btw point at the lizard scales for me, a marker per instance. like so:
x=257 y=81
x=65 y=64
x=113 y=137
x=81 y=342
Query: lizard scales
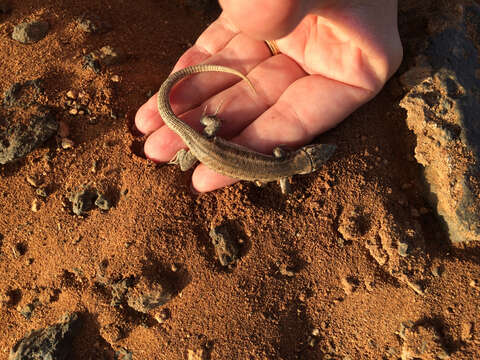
x=231 y=159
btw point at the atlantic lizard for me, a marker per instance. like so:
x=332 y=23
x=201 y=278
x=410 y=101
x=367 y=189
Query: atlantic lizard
x=228 y=158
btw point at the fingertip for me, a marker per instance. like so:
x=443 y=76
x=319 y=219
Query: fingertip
x=140 y=123
x=147 y=118
x=162 y=145
x=194 y=55
x=150 y=148
x=266 y=19
x=205 y=180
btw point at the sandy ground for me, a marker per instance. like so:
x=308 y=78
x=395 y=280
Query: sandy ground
x=321 y=274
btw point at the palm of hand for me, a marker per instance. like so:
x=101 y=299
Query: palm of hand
x=324 y=72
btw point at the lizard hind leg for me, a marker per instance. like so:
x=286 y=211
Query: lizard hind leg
x=285 y=185
x=184 y=158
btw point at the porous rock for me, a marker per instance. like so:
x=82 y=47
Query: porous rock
x=17 y=139
x=28 y=33
x=442 y=111
x=53 y=342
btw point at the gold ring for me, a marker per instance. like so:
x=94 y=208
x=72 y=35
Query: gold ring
x=273 y=47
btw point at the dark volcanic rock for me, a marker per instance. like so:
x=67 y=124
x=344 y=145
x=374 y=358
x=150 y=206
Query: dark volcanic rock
x=119 y=291
x=147 y=295
x=20 y=138
x=28 y=33
x=53 y=342
x=442 y=110
x=86 y=199
x=92 y=24
x=83 y=201
x=225 y=247
x=17 y=95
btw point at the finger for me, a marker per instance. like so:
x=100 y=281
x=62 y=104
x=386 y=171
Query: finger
x=266 y=19
x=311 y=105
x=212 y=40
x=242 y=53
x=240 y=107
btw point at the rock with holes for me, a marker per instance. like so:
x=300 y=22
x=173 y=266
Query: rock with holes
x=421 y=342
x=86 y=198
x=53 y=342
x=226 y=248
x=442 y=111
x=147 y=295
x=28 y=33
x=353 y=223
x=18 y=137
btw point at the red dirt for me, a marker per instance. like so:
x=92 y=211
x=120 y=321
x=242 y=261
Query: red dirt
x=350 y=291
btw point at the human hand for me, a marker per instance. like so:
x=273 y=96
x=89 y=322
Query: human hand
x=335 y=56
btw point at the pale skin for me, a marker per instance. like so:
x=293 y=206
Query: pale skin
x=335 y=56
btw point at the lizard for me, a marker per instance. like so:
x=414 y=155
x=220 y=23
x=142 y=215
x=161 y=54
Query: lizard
x=228 y=158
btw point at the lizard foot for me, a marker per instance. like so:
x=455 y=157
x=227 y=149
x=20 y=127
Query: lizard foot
x=285 y=185
x=184 y=158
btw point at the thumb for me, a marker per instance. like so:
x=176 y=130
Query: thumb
x=266 y=19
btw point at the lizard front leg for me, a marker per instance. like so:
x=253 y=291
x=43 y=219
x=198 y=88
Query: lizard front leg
x=184 y=158
x=211 y=122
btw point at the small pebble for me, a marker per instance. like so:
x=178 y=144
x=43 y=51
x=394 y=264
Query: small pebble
x=349 y=284
x=41 y=192
x=285 y=270
x=67 y=143
x=437 y=270
x=110 y=56
x=174 y=268
x=195 y=354
x=466 y=330
x=474 y=283
x=162 y=316
x=72 y=94
x=115 y=78
x=94 y=167
x=73 y=111
x=102 y=203
x=35 y=205
x=32 y=181
x=402 y=249
x=416 y=287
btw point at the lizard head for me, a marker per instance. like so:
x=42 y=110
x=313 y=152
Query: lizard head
x=317 y=154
